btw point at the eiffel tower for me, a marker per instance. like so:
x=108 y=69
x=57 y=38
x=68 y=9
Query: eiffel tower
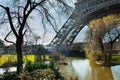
x=85 y=10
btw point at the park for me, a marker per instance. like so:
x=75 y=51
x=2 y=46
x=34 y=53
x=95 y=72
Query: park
x=60 y=40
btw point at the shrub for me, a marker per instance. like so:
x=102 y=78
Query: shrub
x=35 y=71
x=31 y=66
x=46 y=74
x=8 y=64
x=55 y=55
x=9 y=76
x=56 y=70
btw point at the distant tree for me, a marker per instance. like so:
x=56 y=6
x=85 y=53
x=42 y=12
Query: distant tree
x=36 y=38
x=41 y=51
x=2 y=46
x=2 y=43
x=17 y=16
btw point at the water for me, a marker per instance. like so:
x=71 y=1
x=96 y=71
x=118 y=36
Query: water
x=88 y=70
x=10 y=69
x=78 y=69
x=2 y=70
x=82 y=68
x=116 y=72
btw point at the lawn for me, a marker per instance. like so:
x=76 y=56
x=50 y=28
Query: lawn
x=116 y=57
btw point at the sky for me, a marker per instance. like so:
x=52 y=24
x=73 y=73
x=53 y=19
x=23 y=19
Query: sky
x=40 y=31
x=81 y=35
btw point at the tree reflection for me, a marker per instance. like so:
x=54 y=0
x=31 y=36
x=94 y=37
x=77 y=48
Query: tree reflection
x=100 y=72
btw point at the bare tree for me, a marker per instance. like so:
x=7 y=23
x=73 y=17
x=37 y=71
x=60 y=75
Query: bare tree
x=109 y=39
x=20 y=12
x=36 y=38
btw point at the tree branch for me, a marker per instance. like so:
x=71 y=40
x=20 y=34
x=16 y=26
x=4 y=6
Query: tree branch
x=24 y=32
x=10 y=19
x=11 y=22
x=7 y=40
x=3 y=7
x=25 y=9
x=47 y=15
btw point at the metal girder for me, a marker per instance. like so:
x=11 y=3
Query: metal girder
x=83 y=13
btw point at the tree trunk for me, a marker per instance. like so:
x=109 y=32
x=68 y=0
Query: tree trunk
x=19 y=42
x=103 y=52
x=104 y=57
x=109 y=58
x=110 y=54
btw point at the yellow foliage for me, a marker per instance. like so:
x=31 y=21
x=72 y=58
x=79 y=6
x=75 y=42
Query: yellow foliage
x=29 y=58
x=104 y=21
x=13 y=58
x=47 y=57
x=98 y=27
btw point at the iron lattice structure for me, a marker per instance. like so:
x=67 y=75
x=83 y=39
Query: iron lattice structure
x=85 y=10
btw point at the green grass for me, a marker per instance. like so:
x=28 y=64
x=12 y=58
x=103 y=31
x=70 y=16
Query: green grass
x=116 y=57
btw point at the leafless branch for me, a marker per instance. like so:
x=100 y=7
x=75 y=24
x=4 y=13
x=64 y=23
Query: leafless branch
x=8 y=40
x=47 y=15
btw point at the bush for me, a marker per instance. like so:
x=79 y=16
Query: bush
x=31 y=66
x=55 y=55
x=46 y=74
x=9 y=64
x=56 y=70
x=36 y=71
x=9 y=76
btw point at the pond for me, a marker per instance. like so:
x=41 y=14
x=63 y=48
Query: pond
x=14 y=69
x=2 y=70
x=83 y=69
x=87 y=70
x=9 y=69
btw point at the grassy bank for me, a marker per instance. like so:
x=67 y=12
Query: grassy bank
x=116 y=57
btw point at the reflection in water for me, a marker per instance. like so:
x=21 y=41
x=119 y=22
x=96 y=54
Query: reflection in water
x=116 y=72
x=89 y=71
x=2 y=71
x=85 y=70
x=82 y=67
x=9 y=69
x=100 y=72
x=68 y=71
